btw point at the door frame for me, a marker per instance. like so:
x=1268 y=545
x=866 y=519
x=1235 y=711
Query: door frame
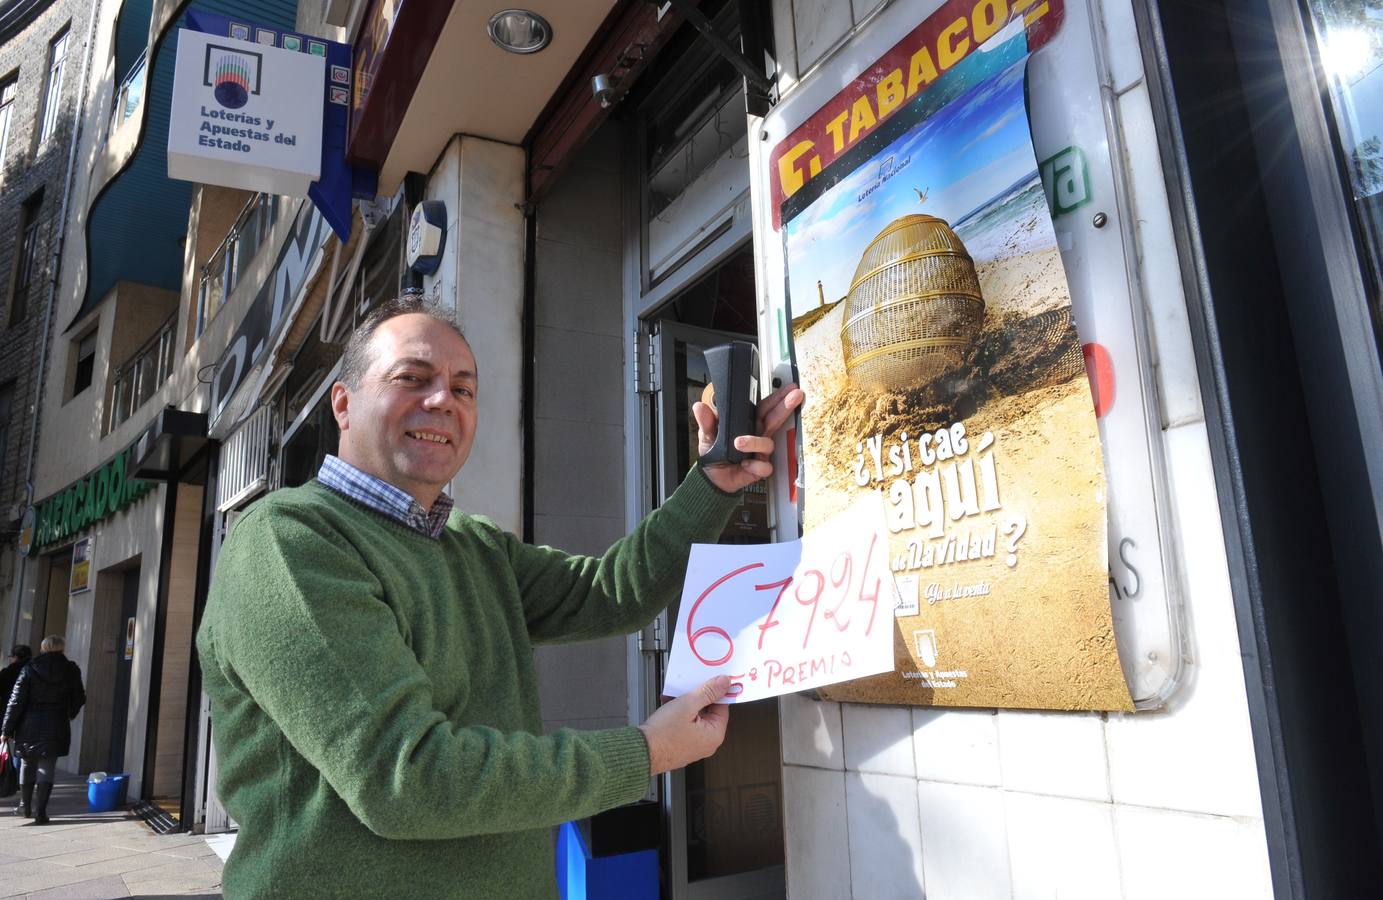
x=1283 y=346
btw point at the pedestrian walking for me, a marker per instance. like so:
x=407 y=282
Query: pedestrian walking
x=46 y=698
x=19 y=657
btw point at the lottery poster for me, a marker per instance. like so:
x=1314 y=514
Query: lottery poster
x=931 y=328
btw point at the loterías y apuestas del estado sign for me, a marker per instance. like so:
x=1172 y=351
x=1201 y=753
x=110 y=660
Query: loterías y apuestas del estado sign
x=247 y=114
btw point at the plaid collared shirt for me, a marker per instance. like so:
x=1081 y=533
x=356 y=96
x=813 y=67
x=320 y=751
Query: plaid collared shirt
x=385 y=499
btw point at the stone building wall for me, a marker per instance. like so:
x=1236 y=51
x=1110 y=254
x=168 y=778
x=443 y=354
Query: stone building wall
x=27 y=33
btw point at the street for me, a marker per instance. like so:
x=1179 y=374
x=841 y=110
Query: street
x=82 y=855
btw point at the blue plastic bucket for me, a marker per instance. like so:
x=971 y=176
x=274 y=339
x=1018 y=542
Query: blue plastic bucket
x=101 y=796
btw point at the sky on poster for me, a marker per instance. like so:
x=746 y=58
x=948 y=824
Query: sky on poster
x=967 y=154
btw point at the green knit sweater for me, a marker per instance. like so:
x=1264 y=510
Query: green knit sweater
x=374 y=699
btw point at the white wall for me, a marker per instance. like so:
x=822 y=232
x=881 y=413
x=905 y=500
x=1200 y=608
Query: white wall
x=480 y=281
x=897 y=802
x=578 y=432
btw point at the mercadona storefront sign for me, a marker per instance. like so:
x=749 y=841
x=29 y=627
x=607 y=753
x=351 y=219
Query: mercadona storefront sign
x=101 y=494
x=247 y=114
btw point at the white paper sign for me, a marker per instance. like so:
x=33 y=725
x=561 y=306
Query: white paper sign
x=245 y=115
x=780 y=618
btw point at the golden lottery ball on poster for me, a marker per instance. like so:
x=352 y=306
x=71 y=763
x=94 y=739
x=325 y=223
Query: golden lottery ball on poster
x=914 y=309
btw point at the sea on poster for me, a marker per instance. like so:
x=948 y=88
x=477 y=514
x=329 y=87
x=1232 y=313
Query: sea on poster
x=931 y=327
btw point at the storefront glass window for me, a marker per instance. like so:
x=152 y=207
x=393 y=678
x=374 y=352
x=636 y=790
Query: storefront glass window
x=694 y=115
x=1349 y=36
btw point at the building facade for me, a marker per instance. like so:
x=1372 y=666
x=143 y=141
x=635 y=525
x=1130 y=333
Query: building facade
x=605 y=210
x=44 y=59
x=149 y=266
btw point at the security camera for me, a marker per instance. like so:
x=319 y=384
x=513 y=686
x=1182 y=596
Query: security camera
x=604 y=90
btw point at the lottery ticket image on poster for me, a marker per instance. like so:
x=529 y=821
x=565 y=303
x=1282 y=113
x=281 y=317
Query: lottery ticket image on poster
x=932 y=331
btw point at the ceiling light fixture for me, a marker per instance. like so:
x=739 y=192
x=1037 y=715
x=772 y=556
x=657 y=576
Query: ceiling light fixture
x=519 y=31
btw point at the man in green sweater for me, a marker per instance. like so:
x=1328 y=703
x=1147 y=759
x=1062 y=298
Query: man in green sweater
x=368 y=651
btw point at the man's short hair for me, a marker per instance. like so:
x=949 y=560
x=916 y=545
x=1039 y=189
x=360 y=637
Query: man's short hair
x=21 y=652
x=356 y=358
x=52 y=643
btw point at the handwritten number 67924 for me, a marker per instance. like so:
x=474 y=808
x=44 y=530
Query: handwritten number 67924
x=842 y=571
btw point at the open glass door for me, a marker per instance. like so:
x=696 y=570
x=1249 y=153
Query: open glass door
x=214 y=818
x=724 y=814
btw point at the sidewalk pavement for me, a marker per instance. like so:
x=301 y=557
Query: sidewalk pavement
x=82 y=855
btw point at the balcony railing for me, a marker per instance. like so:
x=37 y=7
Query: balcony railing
x=131 y=93
x=139 y=379
x=222 y=272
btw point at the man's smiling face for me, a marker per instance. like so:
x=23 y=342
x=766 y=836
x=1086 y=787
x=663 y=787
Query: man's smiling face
x=411 y=420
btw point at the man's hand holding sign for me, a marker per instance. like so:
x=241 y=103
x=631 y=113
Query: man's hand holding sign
x=776 y=618
x=691 y=726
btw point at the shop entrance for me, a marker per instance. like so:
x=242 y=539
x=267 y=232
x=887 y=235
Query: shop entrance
x=52 y=618
x=108 y=668
x=724 y=814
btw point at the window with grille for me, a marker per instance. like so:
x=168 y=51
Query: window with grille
x=52 y=95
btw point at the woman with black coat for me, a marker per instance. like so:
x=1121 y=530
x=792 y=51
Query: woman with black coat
x=19 y=658
x=45 y=700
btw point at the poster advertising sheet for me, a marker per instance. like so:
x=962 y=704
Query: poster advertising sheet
x=931 y=326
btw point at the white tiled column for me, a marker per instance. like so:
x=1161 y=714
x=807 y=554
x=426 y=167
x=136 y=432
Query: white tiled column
x=817 y=842
x=885 y=838
x=481 y=281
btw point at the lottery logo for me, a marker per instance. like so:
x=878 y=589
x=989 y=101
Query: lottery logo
x=233 y=75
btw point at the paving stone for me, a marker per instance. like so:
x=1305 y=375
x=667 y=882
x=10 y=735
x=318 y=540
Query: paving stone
x=38 y=847
x=188 y=851
x=96 y=855
x=192 y=868
x=145 y=840
x=62 y=876
x=26 y=867
x=96 y=889
x=120 y=865
x=155 y=890
x=87 y=856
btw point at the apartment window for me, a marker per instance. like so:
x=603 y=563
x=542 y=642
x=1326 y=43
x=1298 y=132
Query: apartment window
x=131 y=93
x=86 y=363
x=8 y=88
x=30 y=219
x=52 y=95
x=230 y=260
x=140 y=377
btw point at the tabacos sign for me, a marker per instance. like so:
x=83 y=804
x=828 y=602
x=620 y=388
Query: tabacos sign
x=101 y=494
x=890 y=83
x=247 y=114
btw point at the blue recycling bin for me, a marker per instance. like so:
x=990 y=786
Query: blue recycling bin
x=106 y=795
x=622 y=876
x=101 y=796
x=122 y=788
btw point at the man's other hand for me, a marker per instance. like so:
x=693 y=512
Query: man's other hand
x=774 y=412
x=687 y=728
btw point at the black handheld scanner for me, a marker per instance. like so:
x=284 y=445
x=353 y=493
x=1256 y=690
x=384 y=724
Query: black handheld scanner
x=734 y=374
